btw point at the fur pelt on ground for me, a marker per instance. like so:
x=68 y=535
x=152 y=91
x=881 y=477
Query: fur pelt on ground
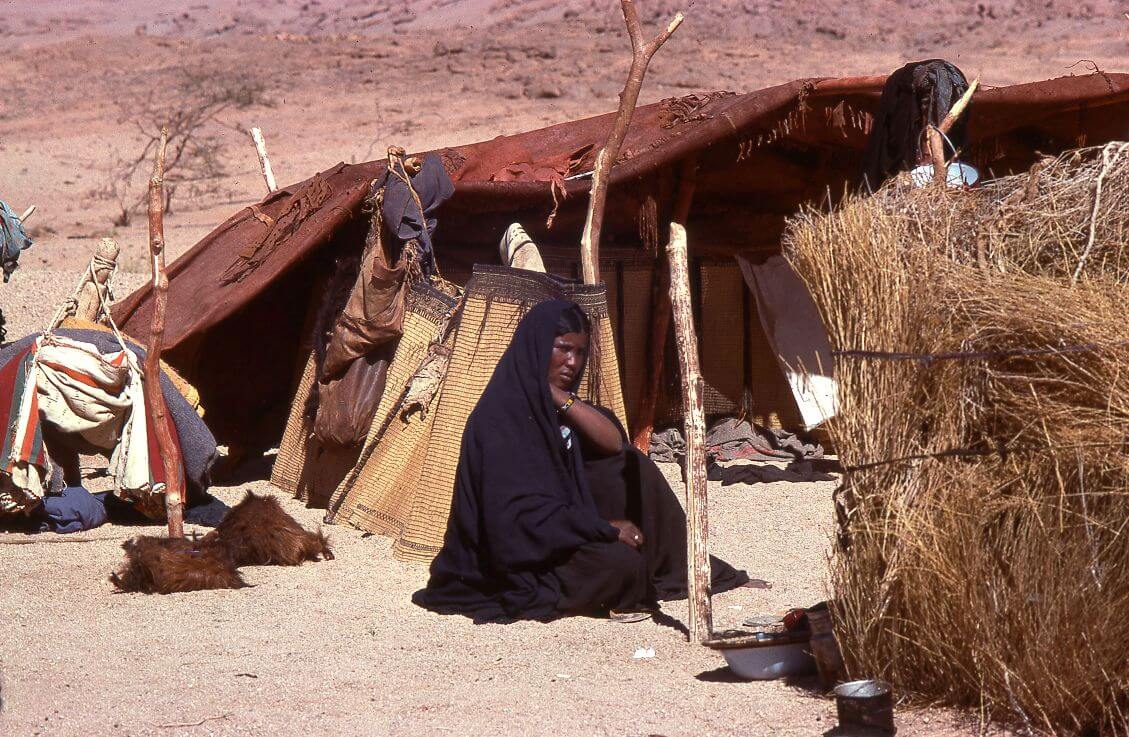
x=159 y=565
x=258 y=532
x=255 y=532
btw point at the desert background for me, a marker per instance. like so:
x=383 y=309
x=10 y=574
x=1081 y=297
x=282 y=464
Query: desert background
x=335 y=647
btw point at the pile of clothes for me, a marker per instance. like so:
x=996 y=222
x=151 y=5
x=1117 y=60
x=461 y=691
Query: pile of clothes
x=69 y=392
x=733 y=439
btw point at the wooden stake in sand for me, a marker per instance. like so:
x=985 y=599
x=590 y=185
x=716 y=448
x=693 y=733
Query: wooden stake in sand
x=697 y=522
x=170 y=453
x=264 y=162
x=27 y=213
x=641 y=54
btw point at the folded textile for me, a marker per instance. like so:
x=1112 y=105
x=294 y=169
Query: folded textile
x=204 y=510
x=74 y=510
x=729 y=439
x=403 y=215
x=753 y=473
x=198 y=446
x=667 y=446
x=518 y=250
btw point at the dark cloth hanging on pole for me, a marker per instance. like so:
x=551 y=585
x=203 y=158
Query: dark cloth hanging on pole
x=919 y=94
x=403 y=216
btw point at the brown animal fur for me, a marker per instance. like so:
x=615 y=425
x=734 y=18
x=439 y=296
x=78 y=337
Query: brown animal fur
x=258 y=532
x=158 y=565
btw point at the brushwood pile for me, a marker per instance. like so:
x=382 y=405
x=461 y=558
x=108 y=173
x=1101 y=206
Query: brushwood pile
x=982 y=353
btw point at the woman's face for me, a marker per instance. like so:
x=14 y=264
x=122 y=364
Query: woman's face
x=570 y=351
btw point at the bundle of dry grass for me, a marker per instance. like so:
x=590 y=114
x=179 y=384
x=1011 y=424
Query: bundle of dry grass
x=983 y=362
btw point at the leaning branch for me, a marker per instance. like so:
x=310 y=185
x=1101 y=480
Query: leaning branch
x=959 y=108
x=935 y=135
x=641 y=53
x=154 y=398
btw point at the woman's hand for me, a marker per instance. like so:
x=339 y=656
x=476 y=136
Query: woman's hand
x=629 y=534
x=560 y=396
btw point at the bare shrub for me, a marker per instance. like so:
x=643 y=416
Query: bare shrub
x=193 y=108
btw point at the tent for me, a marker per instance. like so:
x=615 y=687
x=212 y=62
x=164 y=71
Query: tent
x=239 y=299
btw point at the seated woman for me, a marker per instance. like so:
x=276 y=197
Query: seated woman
x=553 y=513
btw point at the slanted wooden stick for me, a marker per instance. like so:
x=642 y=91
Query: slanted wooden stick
x=697 y=522
x=959 y=107
x=641 y=53
x=27 y=213
x=660 y=314
x=264 y=162
x=154 y=398
x=935 y=136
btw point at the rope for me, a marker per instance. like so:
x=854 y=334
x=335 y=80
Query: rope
x=1001 y=449
x=70 y=305
x=929 y=358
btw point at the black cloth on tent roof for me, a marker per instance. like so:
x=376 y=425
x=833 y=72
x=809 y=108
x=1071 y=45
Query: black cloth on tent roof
x=920 y=93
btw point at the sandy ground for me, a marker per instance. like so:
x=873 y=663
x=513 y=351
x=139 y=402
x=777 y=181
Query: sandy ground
x=336 y=647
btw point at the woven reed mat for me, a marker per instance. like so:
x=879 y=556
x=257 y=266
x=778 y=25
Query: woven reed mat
x=377 y=495
x=407 y=481
x=294 y=447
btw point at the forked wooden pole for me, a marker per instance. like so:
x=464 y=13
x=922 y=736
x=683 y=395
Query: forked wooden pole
x=697 y=521
x=959 y=107
x=660 y=314
x=154 y=398
x=641 y=53
x=264 y=162
x=935 y=136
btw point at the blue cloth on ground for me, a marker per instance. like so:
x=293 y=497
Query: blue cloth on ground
x=75 y=510
x=13 y=239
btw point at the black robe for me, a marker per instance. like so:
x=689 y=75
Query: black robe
x=525 y=531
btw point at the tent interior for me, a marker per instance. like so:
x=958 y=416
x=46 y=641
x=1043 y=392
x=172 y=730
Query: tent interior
x=241 y=300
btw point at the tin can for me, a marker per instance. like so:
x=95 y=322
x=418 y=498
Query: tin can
x=868 y=703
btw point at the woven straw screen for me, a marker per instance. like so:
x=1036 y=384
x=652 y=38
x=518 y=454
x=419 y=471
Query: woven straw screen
x=293 y=449
x=380 y=492
x=403 y=484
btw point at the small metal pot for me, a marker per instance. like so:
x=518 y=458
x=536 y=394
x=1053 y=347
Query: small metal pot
x=868 y=703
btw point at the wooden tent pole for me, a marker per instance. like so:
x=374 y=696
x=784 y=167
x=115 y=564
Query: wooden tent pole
x=697 y=521
x=935 y=135
x=264 y=162
x=660 y=313
x=641 y=53
x=154 y=398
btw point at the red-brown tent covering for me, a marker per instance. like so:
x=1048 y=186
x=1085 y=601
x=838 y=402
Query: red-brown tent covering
x=238 y=299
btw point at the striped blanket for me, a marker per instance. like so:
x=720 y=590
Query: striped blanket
x=86 y=395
